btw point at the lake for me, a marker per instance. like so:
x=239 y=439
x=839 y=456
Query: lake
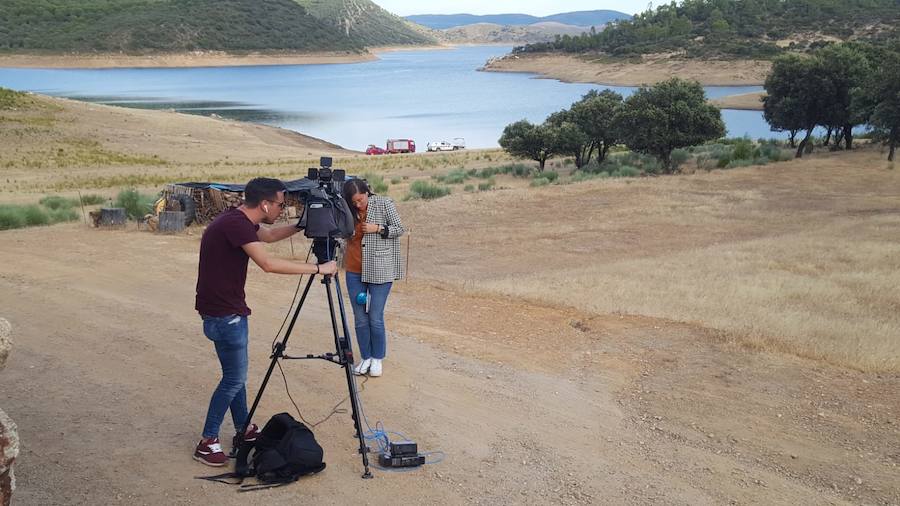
x=426 y=95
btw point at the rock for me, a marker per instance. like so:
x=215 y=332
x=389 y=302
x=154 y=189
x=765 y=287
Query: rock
x=9 y=437
x=9 y=450
x=5 y=341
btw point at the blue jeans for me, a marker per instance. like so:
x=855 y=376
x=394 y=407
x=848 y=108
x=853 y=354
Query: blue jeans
x=229 y=334
x=370 y=333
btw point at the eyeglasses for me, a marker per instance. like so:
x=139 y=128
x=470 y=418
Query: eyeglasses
x=279 y=204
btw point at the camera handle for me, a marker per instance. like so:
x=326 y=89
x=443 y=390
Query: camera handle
x=343 y=357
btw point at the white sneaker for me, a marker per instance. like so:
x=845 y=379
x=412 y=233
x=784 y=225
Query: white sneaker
x=363 y=367
x=375 y=369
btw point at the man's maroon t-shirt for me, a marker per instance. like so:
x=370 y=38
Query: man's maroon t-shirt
x=223 y=265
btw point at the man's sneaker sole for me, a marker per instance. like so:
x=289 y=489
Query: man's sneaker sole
x=204 y=461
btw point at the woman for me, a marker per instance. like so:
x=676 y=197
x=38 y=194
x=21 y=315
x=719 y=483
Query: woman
x=372 y=262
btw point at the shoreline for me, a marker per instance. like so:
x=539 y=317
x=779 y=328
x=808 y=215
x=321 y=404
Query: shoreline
x=571 y=69
x=179 y=60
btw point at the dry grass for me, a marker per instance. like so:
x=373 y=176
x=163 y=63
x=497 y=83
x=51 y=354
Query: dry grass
x=831 y=293
x=800 y=257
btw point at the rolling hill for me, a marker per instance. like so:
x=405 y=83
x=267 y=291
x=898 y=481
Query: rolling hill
x=738 y=29
x=490 y=33
x=365 y=22
x=581 y=18
x=160 y=26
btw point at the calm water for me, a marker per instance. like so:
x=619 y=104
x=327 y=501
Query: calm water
x=424 y=95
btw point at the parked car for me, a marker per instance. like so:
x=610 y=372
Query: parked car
x=459 y=143
x=374 y=150
x=440 y=146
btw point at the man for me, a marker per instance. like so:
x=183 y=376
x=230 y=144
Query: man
x=229 y=241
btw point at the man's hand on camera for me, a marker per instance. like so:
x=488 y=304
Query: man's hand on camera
x=328 y=267
x=371 y=228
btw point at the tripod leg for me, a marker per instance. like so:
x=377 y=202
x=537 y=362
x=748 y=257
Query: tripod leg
x=241 y=464
x=344 y=350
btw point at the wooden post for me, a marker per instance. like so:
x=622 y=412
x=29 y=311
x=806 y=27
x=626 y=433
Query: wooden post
x=112 y=217
x=171 y=221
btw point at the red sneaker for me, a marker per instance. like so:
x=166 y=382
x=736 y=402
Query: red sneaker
x=250 y=436
x=251 y=433
x=209 y=452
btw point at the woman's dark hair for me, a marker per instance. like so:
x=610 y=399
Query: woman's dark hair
x=351 y=188
x=262 y=188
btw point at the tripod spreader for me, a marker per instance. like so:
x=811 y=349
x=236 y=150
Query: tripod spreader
x=343 y=356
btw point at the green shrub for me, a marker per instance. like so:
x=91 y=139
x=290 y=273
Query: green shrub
x=587 y=176
x=455 y=176
x=626 y=171
x=488 y=172
x=61 y=215
x=92 y=199
x=11 y=217
x=136 y=204
x=469 y=188
x=550 y=176
x=57 y=202
x=35 y=215
x=487 y=185
x=738 y=163
x=376 y=182
x=540 y=181
x=30 y=215
x=743 y=150
x=518 y=170
x=427 y=191
x=395 y=180
x=679 y=156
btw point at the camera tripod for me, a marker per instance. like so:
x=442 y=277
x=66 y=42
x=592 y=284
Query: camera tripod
x=343 y=356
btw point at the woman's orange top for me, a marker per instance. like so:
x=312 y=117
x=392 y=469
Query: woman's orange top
x=353 y=257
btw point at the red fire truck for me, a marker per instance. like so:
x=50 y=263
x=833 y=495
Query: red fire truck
x=400 y=146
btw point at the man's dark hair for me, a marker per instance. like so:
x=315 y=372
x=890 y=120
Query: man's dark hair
x=262 y=188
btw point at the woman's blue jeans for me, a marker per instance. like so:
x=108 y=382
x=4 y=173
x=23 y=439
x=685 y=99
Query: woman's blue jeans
x=370 y=333
x=229 y=335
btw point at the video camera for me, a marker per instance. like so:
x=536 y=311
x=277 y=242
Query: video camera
x=331 y=180
x=326 y=215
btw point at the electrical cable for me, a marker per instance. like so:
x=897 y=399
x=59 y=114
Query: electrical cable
x=293 y=301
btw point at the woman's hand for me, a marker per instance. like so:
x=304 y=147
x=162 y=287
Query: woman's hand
x=371 y=228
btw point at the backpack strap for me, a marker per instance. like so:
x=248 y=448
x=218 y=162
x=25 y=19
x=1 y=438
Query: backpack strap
x=223 y=478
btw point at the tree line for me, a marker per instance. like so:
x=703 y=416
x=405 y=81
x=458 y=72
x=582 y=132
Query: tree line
x=745 y=28
x=654 y=120
x=838 y=88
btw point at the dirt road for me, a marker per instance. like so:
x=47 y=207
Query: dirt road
x=110 y=378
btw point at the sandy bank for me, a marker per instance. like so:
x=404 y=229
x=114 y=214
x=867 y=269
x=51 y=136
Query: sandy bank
x=196 y=59
x=744 y=101
x=653 y=69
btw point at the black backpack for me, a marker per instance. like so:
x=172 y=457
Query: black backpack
x=284 y=451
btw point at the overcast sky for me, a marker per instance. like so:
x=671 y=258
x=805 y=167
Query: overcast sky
x=533 y=7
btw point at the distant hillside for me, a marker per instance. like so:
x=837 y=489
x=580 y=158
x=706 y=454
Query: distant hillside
x=489 y=33
x=737 y=28
x=596 y=18
x=147 y=26
x=364 y=21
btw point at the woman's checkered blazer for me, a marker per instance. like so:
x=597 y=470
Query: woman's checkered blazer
x=381 y=261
